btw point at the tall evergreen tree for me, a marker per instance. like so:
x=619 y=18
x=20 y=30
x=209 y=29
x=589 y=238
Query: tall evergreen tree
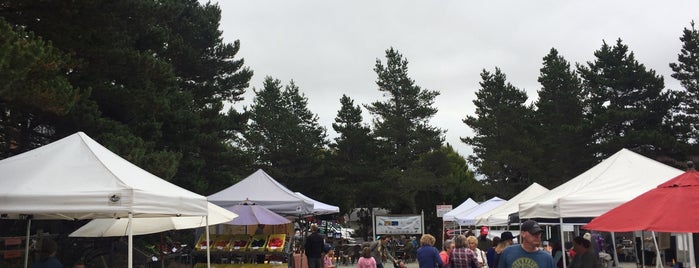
x=401 y=124
x=285 y=136
x=686 y=70
x=354 y=158
x=626 y=104
x=33 y=88
x=158 y=73
x=563 y=134
x=503 y=146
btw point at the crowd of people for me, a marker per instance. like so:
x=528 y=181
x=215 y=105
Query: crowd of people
x=470 y=251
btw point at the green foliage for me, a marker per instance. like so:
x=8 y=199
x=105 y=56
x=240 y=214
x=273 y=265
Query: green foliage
x=33 y=87
x=158 y=74
x=626 y=104
x=285 y=137
x=401 y=124
x=561 y=123
x=503 y=143
x=686 y=70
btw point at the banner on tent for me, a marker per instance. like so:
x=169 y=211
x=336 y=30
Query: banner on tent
x=407 y=224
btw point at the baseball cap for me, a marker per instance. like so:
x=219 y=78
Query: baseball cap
x=531 y=227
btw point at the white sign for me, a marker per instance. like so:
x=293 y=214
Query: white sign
x=442 y=209
x=398 y=225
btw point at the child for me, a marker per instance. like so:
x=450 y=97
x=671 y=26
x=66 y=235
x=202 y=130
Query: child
x=366 y=261
x=328 y=258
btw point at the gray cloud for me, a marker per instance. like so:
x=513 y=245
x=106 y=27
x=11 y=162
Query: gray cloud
x=329 y=47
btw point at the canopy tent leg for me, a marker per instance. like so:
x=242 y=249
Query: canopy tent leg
x=563 y=242
x=26 y=249
x=658 y=261
x=692 y=260
x=130 y=231
x=616 y=256
x=208 y=243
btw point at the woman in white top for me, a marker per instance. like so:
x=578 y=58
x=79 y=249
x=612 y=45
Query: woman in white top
x=472 y=243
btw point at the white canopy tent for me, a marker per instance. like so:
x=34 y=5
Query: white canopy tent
x=141 y=226
x=500 y=215
x=77 y=178
x=616 y=180
x=262 y=189
x=466 y=205
x=468 y=217
x=320 y=208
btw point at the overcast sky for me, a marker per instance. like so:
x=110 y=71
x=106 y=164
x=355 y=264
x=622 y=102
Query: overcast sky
x=329 y=48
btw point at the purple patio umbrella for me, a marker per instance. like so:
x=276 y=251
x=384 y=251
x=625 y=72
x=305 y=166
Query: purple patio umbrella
x=251 y=214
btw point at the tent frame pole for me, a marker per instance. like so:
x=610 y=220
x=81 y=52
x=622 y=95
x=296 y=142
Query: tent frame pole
x=130 y=231
x=563 y=242
x=616 y=256
x=26 y=249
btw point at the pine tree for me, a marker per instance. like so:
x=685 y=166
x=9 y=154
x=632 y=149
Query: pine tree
x=503 y=146
x=686 y=70
x=33 y=88
x=626 y=104
x=401 y=124
x=354 y=158
x=563 y=132
x=285 y=137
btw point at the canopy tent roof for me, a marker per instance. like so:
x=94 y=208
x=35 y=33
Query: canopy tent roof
x=263 y=190
x=671 y=207
x=617 y=179
x=320 y=208
x=77 y=178
x=141 y=226
x=500 y=215
x=466 y=205
x=468 y=217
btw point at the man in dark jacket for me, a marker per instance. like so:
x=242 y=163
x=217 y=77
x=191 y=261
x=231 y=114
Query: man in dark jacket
x=314 y=248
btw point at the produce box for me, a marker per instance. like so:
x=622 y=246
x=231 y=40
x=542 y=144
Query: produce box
x=221 y=242
x=276 y=242
x=239 y=242
x=202 y=244
x=258 y=243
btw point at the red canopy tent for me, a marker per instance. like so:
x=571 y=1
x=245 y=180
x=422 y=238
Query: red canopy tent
x=671 y=207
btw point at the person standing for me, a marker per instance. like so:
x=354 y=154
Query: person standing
x=314 y=248
x=584 y=254
x=427 y=254
x=47 y=255
x=448 y=247
x=527 y=254
x=472 y=242
x=495 y=252
x=462 y=256
x=379 y=250
x=366 y=260
x=484 y=243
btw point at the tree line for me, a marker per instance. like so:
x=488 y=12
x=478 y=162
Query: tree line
x=151 y=80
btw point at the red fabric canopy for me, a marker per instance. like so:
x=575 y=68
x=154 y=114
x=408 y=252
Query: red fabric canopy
x=671 y=207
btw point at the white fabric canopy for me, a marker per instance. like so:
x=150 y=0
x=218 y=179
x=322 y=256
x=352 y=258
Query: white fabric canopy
x=468 y=217
x=320 y=208
x=500 y=216
x=77 y=178
x=141 y=226
x=466 y=205
x=616 y=180
x=263 y=190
